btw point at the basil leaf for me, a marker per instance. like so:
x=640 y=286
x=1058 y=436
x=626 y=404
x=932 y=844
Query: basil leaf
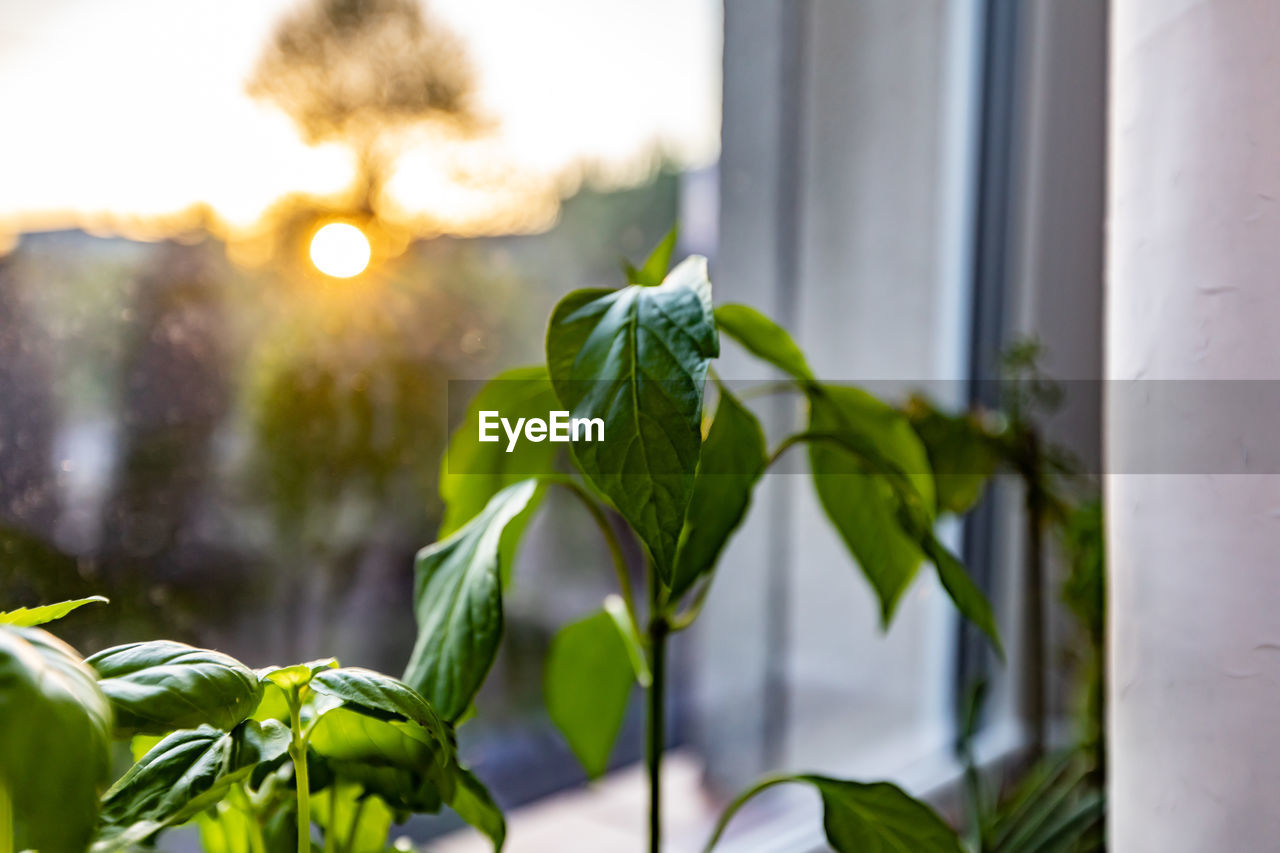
x=458 y=604
x=184 y=774
x=763 y=338
x=161 y=686
x=26 y=617
x=587 y=684
x=402 y=762
x=55 y=732
x=733 y=458
x=863 y=506
x=637 y=358
x=295 y=675
x=381 y=696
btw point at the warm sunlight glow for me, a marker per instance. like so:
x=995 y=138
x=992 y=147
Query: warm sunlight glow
x=340 y=250
x=113 y=128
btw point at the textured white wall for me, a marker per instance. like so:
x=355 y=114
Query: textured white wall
x=1194 y=250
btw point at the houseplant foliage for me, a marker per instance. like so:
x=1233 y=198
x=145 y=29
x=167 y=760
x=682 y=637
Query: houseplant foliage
x=259 y=760
x=267 y=760
x=680 y=474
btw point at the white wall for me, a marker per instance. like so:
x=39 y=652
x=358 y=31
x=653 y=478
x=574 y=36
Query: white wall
x=1192 y=294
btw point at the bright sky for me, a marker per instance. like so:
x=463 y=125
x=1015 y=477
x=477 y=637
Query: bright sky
x=137 y=107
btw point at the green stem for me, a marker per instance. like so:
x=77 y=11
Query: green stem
x=6 y=820
x=298 y=752
x=738 y=801
x=656 y=725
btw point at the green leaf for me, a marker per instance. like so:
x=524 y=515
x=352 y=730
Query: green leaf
x=637 y=358
x=161 y=686
x=402 y=762
x=356 y=821
x=473 y=803
x=880 y=816
x=616 y=607
x=913 y=521
x=186 y=773
x=458 y=604
x=733 y=458
x=26 y=617
x=381 y=696
x=961 y=454
x=659 y=261
x=860 y=817
x=55 y=727
x=473 y=471
x=587 y=684
x=296 y=675
x=863 y=507
x=763 y=338
x=226 y=828
x=964 y=593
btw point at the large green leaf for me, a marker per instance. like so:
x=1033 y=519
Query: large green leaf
x=458 y=604
x=161 y=686
x=181 y=776
x=864 y=507
x=733 y=458
x=763 y=338
x=864 y=817
x=55 y=729
x=382 y=696
x=637 y=358
x=26 y=617
x=587 y=684
x=473 y=471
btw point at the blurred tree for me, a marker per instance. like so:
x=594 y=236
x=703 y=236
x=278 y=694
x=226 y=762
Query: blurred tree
x=363 y=71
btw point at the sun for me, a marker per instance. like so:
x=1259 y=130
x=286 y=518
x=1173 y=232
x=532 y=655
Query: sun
x=341 y=250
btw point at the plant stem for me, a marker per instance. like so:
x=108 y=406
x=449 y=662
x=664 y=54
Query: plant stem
x=655 y=738
x=298 y=752
x=6 y=820
x=1033 y=614
x=739 y=801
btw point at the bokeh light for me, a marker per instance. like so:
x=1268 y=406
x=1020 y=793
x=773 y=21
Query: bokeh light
x=340 y=250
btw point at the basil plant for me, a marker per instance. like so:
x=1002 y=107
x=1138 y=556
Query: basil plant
x=636 y=362
x=259 y=760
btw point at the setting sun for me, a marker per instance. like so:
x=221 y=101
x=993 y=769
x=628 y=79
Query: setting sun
x=340 y=250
